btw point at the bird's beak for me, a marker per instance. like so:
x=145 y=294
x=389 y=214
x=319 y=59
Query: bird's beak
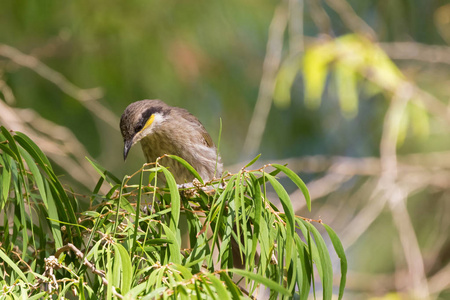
x=126 y=148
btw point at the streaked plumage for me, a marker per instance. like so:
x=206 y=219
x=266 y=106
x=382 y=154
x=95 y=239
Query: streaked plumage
x=163 y=129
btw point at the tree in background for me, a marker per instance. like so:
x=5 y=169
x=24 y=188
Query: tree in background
x=364 y=81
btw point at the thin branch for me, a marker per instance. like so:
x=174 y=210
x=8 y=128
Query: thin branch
x=351 y=19
x=87 y=97
x=56 y=141
x=296 y=43
x=88 y=264
x=440 y=281
x=417 y=51
x=320 y=17
x=270 y=67
x=6 y=90
x=396 y=195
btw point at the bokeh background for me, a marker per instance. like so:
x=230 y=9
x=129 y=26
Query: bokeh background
x=353 y=95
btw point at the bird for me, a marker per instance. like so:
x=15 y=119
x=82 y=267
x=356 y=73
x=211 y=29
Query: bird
x=162 y=129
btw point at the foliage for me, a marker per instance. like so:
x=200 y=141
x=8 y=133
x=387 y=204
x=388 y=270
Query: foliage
x=114 y=249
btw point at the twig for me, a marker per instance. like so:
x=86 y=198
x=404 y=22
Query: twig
x=56 y=141
x=440 y=281
x=87 y=263
x=270 y=67
x=86 y=97
x=320 y=17
x=296 y=43
x=351 y=19
x=396 y=195
x=417 y=51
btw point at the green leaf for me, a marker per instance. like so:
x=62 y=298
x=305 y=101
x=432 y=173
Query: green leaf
x=88 y=213
x=187 y=166
x=285 y=202
x=155 y=294
x=174 y=199
x=234 y=290
x=313 y=254
x=258 y=206
x=218 y=208
x=184 y=271
x=304 y=269
x=327 y=269
x=13 y=266
x=24 y=140
x=263 y=179
x=263 y=280
x=36 y=174
x=126 y=276
x=54 y=217
x=8 y=151
x=11 y=143
x=6 y=180
x=341 y=254
x=345 y=78
x=315 y=71
x=419 y=117
x=138 y=210
x=174 y=247
x=135 y=291
x=37 y=296
x=252 y=161
x=284 y=81
x=218 y=285
x=297 y=180
x=103 y=172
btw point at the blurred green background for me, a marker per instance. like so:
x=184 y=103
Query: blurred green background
x=324 y=78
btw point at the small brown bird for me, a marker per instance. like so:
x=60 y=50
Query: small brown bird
x=163 y=129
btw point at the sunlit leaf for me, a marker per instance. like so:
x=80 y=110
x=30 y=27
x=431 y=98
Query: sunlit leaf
x=345 y=78
x=341 y=254
x=284 y=81
x=174 y=199
x=174 y=247
x=418 y=115
x=187 y=166
x=220 y=288
x=327 y=271
x=253 y=161
x=315 y=70
x=126 y=274
x=13 y=266
x=297 y=180
x=263 y=280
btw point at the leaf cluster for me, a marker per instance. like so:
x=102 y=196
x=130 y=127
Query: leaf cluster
x=238 y=239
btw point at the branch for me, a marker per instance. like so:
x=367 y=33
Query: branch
x=87 y=97
x=87 y=263
x=417 y=51
x=270 y=67
x=351 y=19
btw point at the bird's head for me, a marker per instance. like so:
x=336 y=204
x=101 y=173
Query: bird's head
x=141 y=119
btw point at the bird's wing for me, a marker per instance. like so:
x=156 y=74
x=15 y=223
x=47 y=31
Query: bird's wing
x=205 y=135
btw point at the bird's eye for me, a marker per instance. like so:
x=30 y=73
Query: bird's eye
x=138 y=128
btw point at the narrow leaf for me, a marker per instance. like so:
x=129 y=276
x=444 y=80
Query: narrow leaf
x=13 y=266
x=252 y=161
x=218 y=285
x=187 y=166
x=263 y=280
x=341 y=254
x=297 y=180
x=327 y=269
x=174 y=199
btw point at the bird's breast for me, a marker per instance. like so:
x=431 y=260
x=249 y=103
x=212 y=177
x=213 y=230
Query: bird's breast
x=198 y=156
